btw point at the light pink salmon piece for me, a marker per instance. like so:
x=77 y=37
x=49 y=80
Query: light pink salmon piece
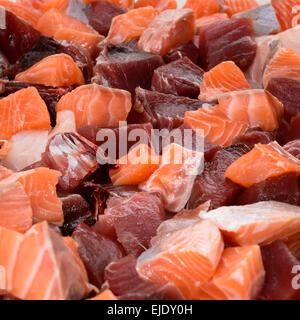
x=262 y=162
x=93 y=104
x=216 y=125
x=130 y=24
x=239 y=276
x=285 y=64
x=257 y=223
x=167 y=30
x=15 y=207
x=256 y=107
x=188 y=258
x=40 y=266
x=175 y=176
x=57 y=70
x=224 y=77
x=40 y=185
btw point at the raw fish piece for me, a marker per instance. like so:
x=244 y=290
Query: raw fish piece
x=234 y=6
x=133 y=219
x=284 y=64
x=2 y=280
x=203 y=8
x=102 y=15
x=207 y=20
x=15 y=207
x=58 y=70
x=26 y=148
x=65 y=122
x=122 y=278
x=63 y=27
x=162 y=110
x=180 y=77
x=16 y=37
x=27 y=111
x=159 y=5
x=121 y=134
x=253 y=136
x=130 y=24
x=40 y=265
x=76 y=210
x=230 y=39
x=294 y=132
x=105 y=295
x=196 y=142
x=216 y=126
x=96 y=251
x=239 y=276
x=125 y=68
x=5 y=148
x=185 y=50
x=93 y=104
x=174 y=178
x=257 y=223
x=170 y=259
x=264 y=19
x=293 y=244
x=135 y=167
x=21 y=12
x=285 y=12
x=212 y=184
x=267 y=46
x=262 y=162
x=256 y=107
x=224 y=77
x=293 y=147
x=119 y=191
x=50 y=95
x=167 y=30
x=282 y=188
x=287 y=91
x=281 y=273
x=73 y=155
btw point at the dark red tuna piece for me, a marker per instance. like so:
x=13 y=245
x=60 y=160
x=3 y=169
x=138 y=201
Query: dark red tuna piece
x=181 y=78
x=49 y=94
x=283 y=188
x=264 y=19
x=121 y=134
x=72 y=155
x=294 y=129
x=123 y=280
x=282 y=133
x=125 y=68
x=96 y=252
x=212 y=184
x=102 y=14
x=76 y=210
x=48 y=46
x=293 y=147
x=185 y=50
x=230 y=39
x=16 y=36
x=133 y=219
x=282 y=273
x=287 y=91
x=162 y=110
x=7 y=70
x=253 y=136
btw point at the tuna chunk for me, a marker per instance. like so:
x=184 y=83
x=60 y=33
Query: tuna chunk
x=231 y=39
x=162 y=110
x=125 y=68
x=96 y=252
x=181 y=78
